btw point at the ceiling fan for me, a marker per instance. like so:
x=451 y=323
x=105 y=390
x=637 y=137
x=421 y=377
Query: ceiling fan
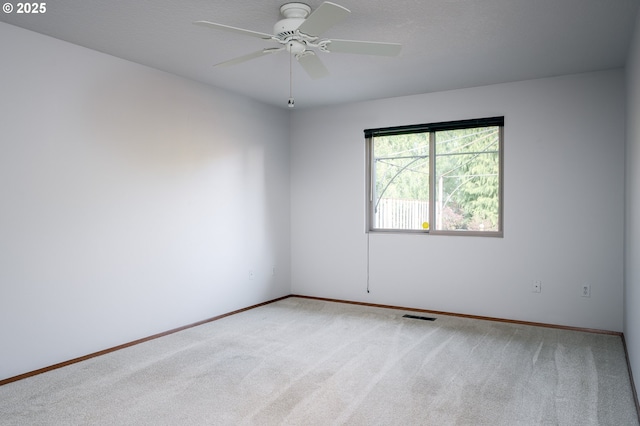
x=299 y=33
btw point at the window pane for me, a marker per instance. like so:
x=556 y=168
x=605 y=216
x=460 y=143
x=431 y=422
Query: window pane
x=400 y=170
x=467 y=179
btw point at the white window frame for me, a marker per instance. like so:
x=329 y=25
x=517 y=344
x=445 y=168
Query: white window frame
x=432 y=129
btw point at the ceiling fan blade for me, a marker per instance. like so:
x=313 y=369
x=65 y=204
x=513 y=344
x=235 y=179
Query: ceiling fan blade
x=364 y=47
x=313 y=65
x=234 y=29
x=323 y=18
x=248 y=57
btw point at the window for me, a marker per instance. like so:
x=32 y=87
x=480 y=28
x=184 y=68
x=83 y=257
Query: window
x=440 y=178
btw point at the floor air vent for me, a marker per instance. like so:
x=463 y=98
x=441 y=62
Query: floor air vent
x=418 y=317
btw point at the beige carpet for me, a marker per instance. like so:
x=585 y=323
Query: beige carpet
x=309 y=362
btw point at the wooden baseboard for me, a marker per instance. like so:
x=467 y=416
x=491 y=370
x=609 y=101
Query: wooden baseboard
x=427 y=311
x=126 y=345
x=633 y=386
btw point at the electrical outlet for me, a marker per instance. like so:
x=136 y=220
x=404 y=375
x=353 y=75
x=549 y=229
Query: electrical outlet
x=586 y=290
x=537 y=286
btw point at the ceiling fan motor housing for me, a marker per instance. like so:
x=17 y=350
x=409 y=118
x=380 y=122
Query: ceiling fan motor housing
x=294 y=15
x=287 y=27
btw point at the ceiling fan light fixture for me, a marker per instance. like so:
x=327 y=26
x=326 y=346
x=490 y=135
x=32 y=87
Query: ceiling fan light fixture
x=295 y=47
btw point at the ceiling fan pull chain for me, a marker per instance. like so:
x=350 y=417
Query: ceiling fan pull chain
x=291 y=101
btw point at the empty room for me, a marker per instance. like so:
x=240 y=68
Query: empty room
x=315 y=213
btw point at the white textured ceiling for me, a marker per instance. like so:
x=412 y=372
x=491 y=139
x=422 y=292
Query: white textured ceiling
x=447 y=44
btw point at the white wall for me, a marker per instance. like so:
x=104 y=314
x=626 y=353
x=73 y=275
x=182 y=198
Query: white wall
x=563 y=212
x=133 y=201
x=632 y=224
